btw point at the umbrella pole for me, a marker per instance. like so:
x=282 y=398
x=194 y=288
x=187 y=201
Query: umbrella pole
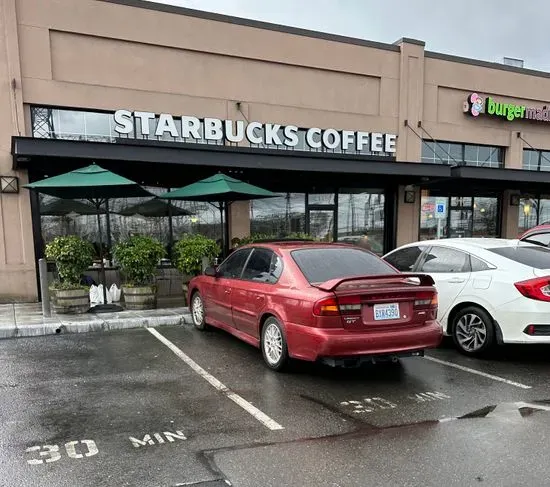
x=226 y=229
x=108 y=220
x=222 y=228
x=170 y=231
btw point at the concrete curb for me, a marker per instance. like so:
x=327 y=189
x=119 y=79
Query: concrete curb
x=89 y=323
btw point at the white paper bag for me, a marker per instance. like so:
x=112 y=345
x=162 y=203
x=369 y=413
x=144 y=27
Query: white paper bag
x=115 y=293
x=94 y=295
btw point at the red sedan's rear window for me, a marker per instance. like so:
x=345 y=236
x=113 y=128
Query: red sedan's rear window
x=322 y=264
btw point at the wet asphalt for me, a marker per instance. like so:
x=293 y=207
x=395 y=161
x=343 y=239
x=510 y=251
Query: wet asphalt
x=122 y=409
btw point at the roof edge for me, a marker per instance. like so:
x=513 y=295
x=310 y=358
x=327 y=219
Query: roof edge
x=485 y=64
x=257 y=24
x=408 y=40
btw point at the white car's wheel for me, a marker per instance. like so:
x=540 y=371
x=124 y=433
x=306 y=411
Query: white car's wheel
x=473 y=331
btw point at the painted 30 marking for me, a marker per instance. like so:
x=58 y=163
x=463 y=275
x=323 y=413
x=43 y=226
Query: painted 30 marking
x=368 y=405
x=52 y=453
x=429 y=397
x=372 y=404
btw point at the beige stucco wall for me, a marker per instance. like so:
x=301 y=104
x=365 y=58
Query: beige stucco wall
x=95 y=54
x=17 y=268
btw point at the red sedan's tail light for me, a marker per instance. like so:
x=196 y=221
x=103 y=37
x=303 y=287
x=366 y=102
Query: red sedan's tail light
x=426 y=300
x=538 y=288
x=326 y=307
x=346 y=305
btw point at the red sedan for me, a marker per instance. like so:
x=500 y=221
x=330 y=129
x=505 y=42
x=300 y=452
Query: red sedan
x=331 y=302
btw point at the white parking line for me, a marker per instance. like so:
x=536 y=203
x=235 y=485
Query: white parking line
x=249 y=408
x=477 y=372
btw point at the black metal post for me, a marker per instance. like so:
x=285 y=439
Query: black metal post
x=170 y=231
x=103 y=276
x=108 y=221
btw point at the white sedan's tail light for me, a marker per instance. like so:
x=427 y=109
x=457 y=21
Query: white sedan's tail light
x=538 y=288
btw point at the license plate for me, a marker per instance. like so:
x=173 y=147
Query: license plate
x=386 y=312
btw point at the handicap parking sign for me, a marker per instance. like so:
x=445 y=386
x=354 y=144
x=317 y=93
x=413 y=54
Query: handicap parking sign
x=440 y=210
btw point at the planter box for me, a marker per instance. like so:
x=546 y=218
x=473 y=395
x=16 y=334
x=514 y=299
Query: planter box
x=71 y=301
x=143 y=297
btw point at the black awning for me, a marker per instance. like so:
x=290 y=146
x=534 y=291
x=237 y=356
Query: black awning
x=503 y=178
x=28 y=152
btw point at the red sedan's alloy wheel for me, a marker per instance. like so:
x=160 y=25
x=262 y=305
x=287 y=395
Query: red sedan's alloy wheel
x=197 y=312
x=273 y=343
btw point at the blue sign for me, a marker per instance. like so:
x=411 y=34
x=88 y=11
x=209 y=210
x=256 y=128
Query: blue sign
x=440 y=210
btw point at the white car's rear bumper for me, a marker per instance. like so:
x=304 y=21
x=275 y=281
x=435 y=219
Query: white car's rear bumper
x=514 y=317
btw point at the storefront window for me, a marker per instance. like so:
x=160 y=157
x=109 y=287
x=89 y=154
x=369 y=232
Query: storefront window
x=433 y=225
x=68 y=217
x=279 y=216
x=533 y=212
x=463 y=216
x=361 y=218
x=96 y=127
x=457 y=153
x=321 y=198
x=535 y=160
x=485 y=216
x=321 y=225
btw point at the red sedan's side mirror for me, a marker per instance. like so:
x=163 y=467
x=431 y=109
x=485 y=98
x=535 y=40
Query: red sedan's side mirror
x=211 y=271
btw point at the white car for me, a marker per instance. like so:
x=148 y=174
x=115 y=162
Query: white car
x=491 y=291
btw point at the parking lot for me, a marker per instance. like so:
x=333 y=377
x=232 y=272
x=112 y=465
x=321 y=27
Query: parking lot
x=172 y=407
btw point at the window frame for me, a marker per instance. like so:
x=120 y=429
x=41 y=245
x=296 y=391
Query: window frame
x=273 y=253
x=435 y=145
x=426 y=253
x=423 y=248
x=529 y=237
x=231 y=256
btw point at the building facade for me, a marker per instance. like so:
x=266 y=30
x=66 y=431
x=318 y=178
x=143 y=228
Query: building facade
x=365 y=142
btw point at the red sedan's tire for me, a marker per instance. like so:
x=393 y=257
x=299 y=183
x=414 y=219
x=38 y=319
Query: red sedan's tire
x=198 y=313
x=273 y=345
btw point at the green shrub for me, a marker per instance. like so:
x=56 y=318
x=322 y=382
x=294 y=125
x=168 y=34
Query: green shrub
x=72 y=256
x=138 y=258
x=256 y=237
x=189 y=251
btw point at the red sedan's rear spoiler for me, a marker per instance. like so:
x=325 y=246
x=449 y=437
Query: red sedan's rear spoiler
x=404 y=277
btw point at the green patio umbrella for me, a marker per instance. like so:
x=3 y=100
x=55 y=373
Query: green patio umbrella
x=96 y=185
x=156 y=208
x=60 y=207
x=220 y=191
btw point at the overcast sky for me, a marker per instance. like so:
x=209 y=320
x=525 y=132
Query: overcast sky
x=481 y=29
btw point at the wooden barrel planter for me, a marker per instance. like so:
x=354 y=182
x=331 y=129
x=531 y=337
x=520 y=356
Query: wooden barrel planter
x=143 y=297
x=71 y=301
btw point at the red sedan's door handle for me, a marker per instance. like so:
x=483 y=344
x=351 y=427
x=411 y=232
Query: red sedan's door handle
x=228 y=291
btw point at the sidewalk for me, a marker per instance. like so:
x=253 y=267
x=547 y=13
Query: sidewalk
x=26 y=320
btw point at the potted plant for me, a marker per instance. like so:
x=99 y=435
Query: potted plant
x=138 y=258
x=189 y=253
x=72 y=256
x=256 y=237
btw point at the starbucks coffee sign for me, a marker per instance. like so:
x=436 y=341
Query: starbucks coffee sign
x=237 y=131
